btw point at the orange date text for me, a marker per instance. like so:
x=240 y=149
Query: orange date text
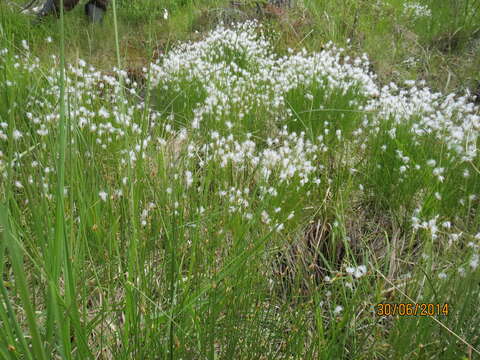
x=411 y=309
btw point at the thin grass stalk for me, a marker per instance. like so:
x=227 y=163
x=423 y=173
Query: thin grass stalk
x=172 y=242
x=57 y=256
x=130 y=310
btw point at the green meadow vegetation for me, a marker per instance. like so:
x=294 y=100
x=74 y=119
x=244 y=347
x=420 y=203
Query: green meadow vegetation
x=210 y=179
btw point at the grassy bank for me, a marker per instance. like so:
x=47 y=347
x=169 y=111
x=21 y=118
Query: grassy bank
x=236 y=196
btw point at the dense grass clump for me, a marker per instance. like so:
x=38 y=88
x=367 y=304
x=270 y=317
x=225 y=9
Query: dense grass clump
x=230 y=202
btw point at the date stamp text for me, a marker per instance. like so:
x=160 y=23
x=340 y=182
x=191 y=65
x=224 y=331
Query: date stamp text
x=411 y=309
